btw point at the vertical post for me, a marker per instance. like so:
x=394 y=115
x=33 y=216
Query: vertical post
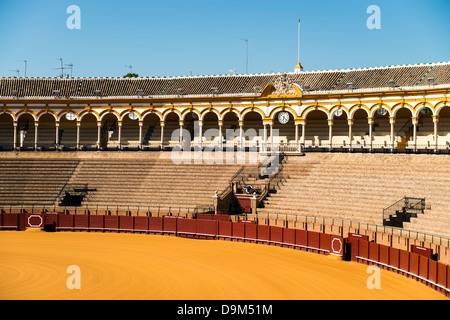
x=15 y=135
x=241 y=134
x=392 y=122
x=330 y=133
x=200 y=134
x=181 y=131
x=78 y=134
x=141 y=124
x=271 y=136
x=57 y=133
x=303 y=132
x=220 y=134
x=99 y=127
x=265 y=138
x=370 y=122
x=36 y=125
x=119 y=142
x=436 y=138
x=414 y=122
x=350 y=133
x=162 y=134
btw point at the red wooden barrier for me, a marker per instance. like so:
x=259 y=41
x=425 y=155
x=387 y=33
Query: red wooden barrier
x=423 y=267
x=354 y=248
x=363 y=249
x=288 y=236
x=238 y=230
x=207 y=228
x=96 y=223
x=187 y=227
x=126 y=223
x=337 y=245
x=155 y=224
x=263 y=233
x=65 y=222
x=441 y=274
x=276 y=234
x=414 y=263
x=225 y=229
x=394 y=257
x=301 y=238
x=33 y=220
x=140 y=224
x=50 y=219
x=250 y=231
x=374 y=251
x=404 y=260
x=448 y=277
x=384 y=254
x=432 y=270
x=313 y=239
x=427 y=252
x=170 y=224
x=10 y=221
x=111 y=223
x=325 y=241
x=23 y=221
x=81 y=222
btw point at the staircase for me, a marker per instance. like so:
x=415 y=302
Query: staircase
x=402 y=211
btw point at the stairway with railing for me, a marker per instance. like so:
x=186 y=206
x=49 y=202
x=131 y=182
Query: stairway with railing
x=402 y=211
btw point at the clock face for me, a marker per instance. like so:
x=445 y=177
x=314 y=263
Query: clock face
x=283 y=117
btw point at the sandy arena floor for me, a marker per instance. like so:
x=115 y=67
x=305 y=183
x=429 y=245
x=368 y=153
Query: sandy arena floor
x=33 y=265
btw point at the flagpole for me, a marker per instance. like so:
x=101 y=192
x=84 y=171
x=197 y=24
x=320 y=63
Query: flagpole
x=298 y=41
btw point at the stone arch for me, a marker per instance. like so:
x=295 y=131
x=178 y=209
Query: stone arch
x=422 y=105
x=230 y=110
x=310 y=109
x=61 y=115
x=6 y=130
x=373 y=109
x=316 y=128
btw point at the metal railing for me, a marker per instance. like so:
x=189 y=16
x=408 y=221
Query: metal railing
x=417 y=205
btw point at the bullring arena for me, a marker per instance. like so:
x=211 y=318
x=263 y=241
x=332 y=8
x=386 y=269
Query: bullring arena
x=273 y=186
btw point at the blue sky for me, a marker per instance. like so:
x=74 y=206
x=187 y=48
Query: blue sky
x=204 y=37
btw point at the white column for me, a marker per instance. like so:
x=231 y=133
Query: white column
x=15 y=135
x=414 y=122
x=36 y=125
x=220 y=134
x=370 y=122
x=119 y=142
x=78 y=134
x=200 y=134
x=265 y=138
x=181 y=131
x=271 y=136
x=436 y=138
x=241 y=134
x=330 y=132
x=392 y=122
x=141 y=124
x=350 y=133
x=303 y=132
x=99 y=127
x=162 y=134
x=57 y=134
